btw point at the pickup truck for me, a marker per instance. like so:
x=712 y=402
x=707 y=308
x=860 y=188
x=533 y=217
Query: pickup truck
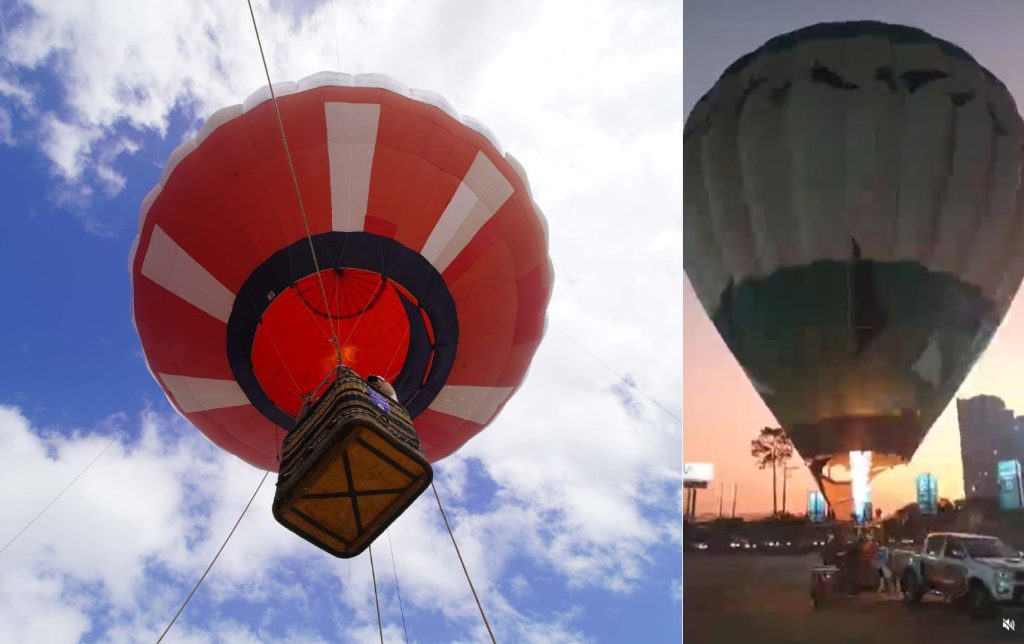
x=979 y=569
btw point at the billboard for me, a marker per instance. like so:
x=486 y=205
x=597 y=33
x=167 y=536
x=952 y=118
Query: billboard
x=1009 y=485
x=817 y=509
x=927 y=494
x=698 y=475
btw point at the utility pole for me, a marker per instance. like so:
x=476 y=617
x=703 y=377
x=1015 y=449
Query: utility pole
x=690 y=503
x=735 y=486
x=721 y=496
x=775 y=469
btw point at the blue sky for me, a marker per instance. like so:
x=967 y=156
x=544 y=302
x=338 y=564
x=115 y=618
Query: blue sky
x=578 y=542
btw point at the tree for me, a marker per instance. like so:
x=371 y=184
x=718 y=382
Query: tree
x=772 y=448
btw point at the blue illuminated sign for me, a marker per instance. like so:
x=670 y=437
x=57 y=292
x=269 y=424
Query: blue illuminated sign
x=1009 y=485
x=927 y=494
x=816 y=506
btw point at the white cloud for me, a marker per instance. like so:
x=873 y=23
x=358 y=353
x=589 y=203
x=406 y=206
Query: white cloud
x=586 y=474
x=21 y=94
x=115 y=554
x=67 y=145
x=126 y=66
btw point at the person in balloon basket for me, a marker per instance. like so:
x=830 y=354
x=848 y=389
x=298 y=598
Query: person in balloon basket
x=383 y=386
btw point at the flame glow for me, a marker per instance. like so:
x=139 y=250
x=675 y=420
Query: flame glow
x=348 y=353
x=330 y=359
x=860 y=470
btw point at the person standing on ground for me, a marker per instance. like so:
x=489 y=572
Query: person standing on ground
x=881 y=563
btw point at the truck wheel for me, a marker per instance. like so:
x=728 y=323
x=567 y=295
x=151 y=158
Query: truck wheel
x=912 y=589
x=979 y=601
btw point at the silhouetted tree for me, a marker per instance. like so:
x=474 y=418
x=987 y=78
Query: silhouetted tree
x=772 y=448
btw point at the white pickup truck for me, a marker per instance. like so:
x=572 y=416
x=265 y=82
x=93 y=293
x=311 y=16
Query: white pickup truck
x=980 y=569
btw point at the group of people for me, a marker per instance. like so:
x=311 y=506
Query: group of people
x=863 y=561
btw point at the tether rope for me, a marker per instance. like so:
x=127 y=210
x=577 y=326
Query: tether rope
x=60 y=494
x=464 y=570
x=376 y=599
x=395 y=354
x=334 y=23
x=623 y=378
x=295 y=178
x=397 y=587
x=214 y=560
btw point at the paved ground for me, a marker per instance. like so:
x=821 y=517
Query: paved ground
x=739 y=599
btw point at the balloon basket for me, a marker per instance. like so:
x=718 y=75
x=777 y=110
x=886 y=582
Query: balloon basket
x=349 y=468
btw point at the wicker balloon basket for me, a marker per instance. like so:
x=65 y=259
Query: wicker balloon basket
x=350 y=467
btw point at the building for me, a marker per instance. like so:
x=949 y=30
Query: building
x=989 y=433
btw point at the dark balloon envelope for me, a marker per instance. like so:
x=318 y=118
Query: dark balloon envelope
x=854 y=226
x=431 y=252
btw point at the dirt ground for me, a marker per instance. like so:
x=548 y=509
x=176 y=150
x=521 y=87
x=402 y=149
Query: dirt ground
x=766 y=599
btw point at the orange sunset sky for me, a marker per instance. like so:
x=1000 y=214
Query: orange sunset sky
x=722 y=413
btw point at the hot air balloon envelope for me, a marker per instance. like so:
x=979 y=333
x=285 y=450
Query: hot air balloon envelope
x=853 y=227
x=429 y=263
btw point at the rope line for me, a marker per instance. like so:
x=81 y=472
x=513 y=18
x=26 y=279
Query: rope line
x=397 y=587
x=376 y=600
x=295 y=178
x=395 y=354
x=630 y=384
x=334 y=23
x=214 y=560
x=464 y=570
x=383 y=284
x=284 y=363
x=59 y=494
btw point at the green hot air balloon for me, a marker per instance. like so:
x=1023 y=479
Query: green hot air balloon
x=854 y=228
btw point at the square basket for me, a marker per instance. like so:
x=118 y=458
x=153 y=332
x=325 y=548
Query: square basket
x=349 y=468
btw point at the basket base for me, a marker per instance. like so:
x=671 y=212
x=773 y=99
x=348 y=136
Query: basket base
x=352 y=489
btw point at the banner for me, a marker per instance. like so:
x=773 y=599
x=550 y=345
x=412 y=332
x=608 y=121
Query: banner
x=1009 y=485
x=927 y=494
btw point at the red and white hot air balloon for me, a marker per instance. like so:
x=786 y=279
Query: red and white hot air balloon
x=432 y=255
